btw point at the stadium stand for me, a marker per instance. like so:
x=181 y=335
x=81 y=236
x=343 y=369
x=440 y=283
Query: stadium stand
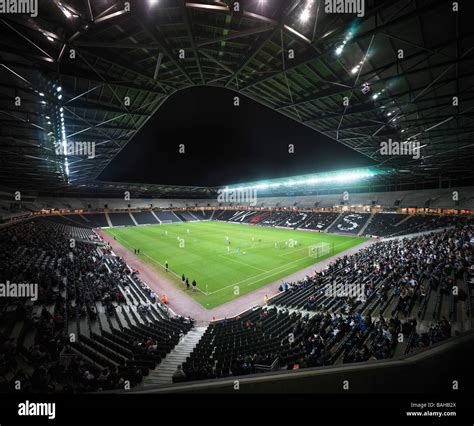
x=274 y=218
x=244 y=216
x=213 y=196
x=320 y=221
x=203 y=214
x=97 y=219
x=423 y=223
x=167 y=216
x=240 y=346
x=120 y=332
x=350 y=223
x=121 y=219
x=145 y=218
x=295 y=220
x=185 y=216
x=380 y=224
x=385 y=224
x=225 y=215
x=71 y=219
x=413 y=298
x=419 y=286
x=123 y=332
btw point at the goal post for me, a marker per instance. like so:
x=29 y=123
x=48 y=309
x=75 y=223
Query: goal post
x=166 y=222
x=320 y=249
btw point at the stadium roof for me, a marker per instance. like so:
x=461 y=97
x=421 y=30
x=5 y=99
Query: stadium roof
x=80 y=62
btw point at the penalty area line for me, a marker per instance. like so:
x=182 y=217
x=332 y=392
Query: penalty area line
x=285 y=266
x=242 y=263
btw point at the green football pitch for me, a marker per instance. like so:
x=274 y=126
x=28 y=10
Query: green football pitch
x=227 y=260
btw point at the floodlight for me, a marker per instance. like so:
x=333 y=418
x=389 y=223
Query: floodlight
x=304 y=15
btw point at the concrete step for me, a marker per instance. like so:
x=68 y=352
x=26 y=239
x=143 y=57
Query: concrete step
x=163 y=373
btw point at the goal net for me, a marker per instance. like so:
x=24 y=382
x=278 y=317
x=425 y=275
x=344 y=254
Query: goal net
x=166 y=222
x=320 y=249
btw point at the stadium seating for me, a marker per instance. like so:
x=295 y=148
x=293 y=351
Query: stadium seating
x=120 y=331
x=185 y=216
x=320 y=221
x=239 y=346
x=121 y=219
x=97 y=219
x=399 y=299
x=423 y=223
x=75 y=220
x=350 y=223
x=415 y=288
x=295 y=220
x=275 y=218
x=227 y=215
x=343 y=329
x=168 y=216
x=145 y=218
x=379 y=224
x=203 y=214
x=385 y=224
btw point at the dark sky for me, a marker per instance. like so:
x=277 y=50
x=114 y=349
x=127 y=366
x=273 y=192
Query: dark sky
x=224 y=144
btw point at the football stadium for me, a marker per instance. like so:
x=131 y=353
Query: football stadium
x=237 y=197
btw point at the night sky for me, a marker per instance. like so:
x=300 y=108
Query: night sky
x=224 y=144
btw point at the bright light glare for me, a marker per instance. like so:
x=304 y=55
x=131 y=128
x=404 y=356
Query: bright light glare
x=304 y=15
x=66 y=12
x=336 y=177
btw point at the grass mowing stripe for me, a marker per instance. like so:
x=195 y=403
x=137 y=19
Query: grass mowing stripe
x=245 y=264
x=151 y=259
x=272 y=270
x=263 y=273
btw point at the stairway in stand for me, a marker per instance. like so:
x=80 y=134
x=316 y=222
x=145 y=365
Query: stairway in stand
x=163 y=373
x=366 y=224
